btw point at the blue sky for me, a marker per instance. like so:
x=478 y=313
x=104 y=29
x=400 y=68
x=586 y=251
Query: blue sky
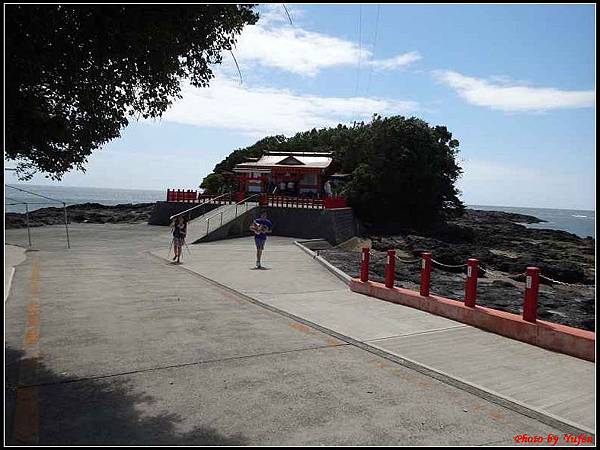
x=514 y=83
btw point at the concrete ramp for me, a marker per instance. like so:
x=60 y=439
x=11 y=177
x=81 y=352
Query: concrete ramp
x=221 y=223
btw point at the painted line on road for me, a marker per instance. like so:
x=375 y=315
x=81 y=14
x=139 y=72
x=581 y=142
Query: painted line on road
x=27 y=415
x=472 y=388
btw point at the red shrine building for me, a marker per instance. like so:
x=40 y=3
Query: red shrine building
x=285 y=173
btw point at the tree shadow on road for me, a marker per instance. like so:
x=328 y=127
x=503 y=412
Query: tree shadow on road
x=105 y=411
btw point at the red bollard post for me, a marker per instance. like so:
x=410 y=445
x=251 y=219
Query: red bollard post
x=425 y=273
x=532 y=286
x=390 y=269
x=471 y=283
x=364 y=266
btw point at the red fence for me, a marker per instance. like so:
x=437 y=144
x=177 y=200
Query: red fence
x=532 y=280
x=302 y=202
x=191 y=196
x=528 y=328
x=335 y=202
x=181 y=195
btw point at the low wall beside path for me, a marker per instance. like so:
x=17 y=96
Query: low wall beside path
x=334 y=225
x=552 y=336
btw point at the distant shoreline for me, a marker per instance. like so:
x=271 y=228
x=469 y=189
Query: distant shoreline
x=579 y=222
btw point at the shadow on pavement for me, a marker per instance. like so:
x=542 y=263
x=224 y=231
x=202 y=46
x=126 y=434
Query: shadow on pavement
x=92 y=412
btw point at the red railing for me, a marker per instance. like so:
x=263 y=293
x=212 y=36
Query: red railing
x=335 y=202
x=532 y=279
x=182 y=195
x=302 y=202
x=191 y=196
x=526 y=328
x=291 y=202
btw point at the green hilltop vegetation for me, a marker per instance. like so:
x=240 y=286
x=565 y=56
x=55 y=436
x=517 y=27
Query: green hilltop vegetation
x=402 y=169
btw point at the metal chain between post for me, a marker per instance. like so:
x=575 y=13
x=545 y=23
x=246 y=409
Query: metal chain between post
x=450 y=266
x=562 y=283
x=412 y=261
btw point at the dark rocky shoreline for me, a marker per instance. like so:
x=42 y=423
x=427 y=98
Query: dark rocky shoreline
x=503 y=246
x=83 y=213
x=497 y=239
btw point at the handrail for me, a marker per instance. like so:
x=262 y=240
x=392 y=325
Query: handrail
x=248 y=198
x=241 y=201
x=236 y=206
x=197 y=206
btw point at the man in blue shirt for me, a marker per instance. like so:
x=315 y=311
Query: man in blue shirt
x=260 y=227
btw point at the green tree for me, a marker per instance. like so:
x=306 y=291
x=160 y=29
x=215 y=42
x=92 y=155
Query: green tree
x=76 y=74
x=214 y=183
x=402 y=169
x=406 y=172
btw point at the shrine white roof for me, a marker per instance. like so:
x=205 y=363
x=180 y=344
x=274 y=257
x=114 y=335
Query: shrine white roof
x=299 y=161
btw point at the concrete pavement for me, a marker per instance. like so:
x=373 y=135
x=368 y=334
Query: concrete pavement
x=557 y=386
x=106 y=344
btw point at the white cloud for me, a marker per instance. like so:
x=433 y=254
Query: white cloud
x=274 y=43
x=264 y=111
x=514 y=98
x=273 y=13
x=397 y=62
x=294 y=50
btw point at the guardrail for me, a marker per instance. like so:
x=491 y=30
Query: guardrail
x=526 y=328
x=190 y=196
x=245 y=200
x=303 y=202
x=201 y=204
x=182 y=195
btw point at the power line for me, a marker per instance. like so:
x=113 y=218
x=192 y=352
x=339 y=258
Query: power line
x=359 y=48
x=35 y=193
x=374 y=46
x=288 y=14
x=236 y=65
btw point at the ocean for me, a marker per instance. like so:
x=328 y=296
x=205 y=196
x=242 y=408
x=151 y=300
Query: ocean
x=579 y=222
x=576 y=221
x=75 y=195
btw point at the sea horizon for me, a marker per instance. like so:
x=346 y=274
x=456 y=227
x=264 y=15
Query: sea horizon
x=577 y=221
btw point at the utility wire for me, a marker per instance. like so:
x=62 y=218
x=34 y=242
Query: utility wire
x=359 y=49
x=34 y=193
x=288 y=14
x=374 y=46
x=236 y=65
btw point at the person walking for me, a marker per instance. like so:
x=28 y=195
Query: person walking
x=179 y=227
x=328 y=189
x=261 y=227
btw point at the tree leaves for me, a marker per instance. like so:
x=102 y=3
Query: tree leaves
x=75 y=75
x=403 y=170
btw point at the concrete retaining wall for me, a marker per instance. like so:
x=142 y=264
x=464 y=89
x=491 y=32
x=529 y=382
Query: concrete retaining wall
x=235 y=228
x=333 y=225
x=164 y=210
x=552 y=336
